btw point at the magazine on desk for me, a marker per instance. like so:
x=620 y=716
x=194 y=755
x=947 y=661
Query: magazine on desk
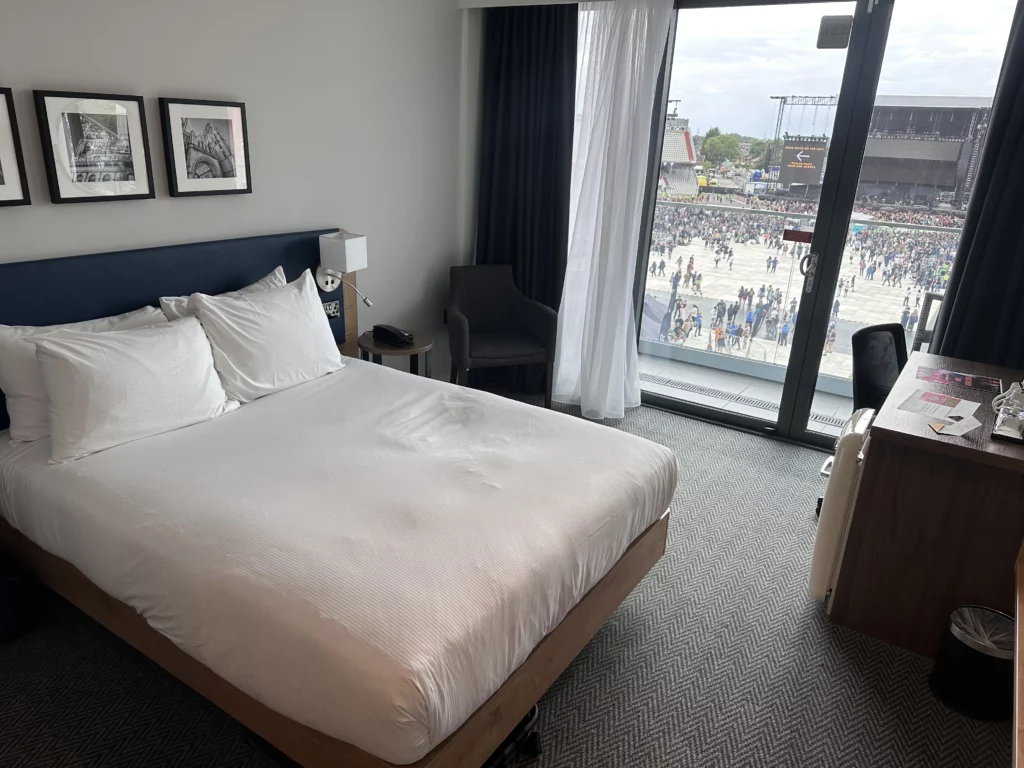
x=965 y=380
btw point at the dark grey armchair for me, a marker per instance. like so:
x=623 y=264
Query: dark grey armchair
x=491 y=324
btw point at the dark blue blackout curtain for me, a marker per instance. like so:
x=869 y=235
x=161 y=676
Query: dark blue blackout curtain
x=982 y=316
x=528 y=108
x=528 y=118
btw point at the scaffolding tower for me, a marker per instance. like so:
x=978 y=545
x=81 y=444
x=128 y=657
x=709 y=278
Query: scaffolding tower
x=774 y=158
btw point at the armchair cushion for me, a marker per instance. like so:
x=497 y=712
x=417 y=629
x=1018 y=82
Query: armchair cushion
x=505 y=348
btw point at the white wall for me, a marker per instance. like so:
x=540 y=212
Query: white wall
x=353 y=110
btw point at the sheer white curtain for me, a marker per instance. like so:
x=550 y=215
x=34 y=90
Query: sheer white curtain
x=621 y=45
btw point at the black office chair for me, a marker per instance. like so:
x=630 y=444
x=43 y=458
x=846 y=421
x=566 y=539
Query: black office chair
x=491 y=324
x=879 y=354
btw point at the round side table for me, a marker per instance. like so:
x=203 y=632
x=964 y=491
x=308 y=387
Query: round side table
x=422 y=344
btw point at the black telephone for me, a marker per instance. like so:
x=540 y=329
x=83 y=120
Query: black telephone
x=388 y=334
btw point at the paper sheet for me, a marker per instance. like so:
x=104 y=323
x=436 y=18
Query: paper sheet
x=957 y=428
x=938 y=405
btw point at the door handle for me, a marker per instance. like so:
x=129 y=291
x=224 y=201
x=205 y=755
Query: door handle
x=808 y=268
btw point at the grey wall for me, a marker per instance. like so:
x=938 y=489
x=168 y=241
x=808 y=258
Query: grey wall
x=353 y=113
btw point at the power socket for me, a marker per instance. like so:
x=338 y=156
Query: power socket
x=332 y=308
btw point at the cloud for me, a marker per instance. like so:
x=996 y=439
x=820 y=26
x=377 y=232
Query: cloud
x=729 y=61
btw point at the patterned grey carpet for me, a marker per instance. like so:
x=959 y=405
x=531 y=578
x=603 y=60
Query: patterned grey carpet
x=717 y=659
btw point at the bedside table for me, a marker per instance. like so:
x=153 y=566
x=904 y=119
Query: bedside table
x=422 y=343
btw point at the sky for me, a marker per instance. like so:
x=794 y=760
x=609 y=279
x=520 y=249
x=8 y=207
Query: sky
x=728 y=61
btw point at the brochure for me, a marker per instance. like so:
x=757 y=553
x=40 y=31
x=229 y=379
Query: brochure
x=940 y=376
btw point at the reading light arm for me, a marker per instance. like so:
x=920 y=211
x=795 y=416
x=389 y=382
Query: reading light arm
x=330 y=279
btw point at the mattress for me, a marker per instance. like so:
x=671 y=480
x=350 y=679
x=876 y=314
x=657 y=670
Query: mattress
x=371 y=554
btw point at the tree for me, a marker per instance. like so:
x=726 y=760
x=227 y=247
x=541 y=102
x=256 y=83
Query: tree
x=698 y=141
x=759 y=153
x=718 y=149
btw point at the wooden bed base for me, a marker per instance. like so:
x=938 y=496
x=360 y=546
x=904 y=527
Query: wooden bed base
x=468 y=747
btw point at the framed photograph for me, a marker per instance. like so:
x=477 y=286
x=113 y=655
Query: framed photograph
x=95 y=145
x=13 y=184
x=206 y=145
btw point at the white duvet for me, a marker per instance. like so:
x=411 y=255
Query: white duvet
x=371 y=554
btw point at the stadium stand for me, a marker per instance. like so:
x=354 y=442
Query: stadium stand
x=678 y=158
x=922 y=146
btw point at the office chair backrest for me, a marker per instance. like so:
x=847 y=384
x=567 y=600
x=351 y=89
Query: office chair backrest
x=879 y=354
x=484 y=293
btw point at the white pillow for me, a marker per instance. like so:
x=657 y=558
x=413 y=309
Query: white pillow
x=177 y=306
x=269 y=341
x=105 y=389
x=19 y=371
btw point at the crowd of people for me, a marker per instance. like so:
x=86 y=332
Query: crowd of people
x=732 y=325
x=914 y=261
x=920 y=257
x=909 y=216
x=781 y=205
x=716 y=229
x=887 y=213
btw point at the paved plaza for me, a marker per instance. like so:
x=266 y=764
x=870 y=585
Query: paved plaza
x=870 y=302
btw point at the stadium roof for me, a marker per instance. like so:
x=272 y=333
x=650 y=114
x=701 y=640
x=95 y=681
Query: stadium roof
x=949 y=102
x=678 y=148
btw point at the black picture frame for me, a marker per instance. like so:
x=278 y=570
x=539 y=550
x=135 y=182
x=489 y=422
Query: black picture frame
x=174 y=182
x=51 y=163
x=19 y=156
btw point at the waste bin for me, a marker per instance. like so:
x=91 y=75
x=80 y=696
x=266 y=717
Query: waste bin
x=974 y=671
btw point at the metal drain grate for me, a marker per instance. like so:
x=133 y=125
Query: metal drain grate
x=831 y=421
x=751 y=402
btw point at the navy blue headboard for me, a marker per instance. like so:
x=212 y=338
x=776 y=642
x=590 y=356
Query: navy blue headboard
x=76 y=288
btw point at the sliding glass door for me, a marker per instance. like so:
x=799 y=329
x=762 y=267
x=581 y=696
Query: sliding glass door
x=927 y=128
x=750 y=119
x=787 y=187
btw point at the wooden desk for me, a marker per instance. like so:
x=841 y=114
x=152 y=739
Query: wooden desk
x=938 y=521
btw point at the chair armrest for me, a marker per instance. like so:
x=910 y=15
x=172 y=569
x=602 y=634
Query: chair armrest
x=539 y=321
x=458 y=337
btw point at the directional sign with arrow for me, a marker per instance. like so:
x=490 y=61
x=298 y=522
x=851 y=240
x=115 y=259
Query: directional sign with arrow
x=802 y=160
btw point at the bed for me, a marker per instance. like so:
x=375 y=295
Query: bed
x=368 y=569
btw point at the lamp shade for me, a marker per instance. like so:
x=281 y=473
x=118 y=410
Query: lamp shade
x=343 y=252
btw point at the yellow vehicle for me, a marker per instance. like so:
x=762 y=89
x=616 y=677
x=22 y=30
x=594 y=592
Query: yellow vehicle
x=713 y=183
x=702 y=181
